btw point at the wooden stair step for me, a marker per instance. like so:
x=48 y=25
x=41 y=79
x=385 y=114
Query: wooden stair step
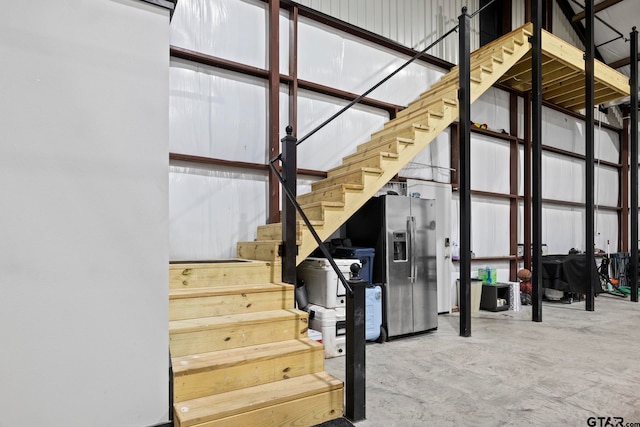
x=450 y=90
x=192 y=303
x=404 y=129
x=357 y=156
x=420 y=112
x=302 y=401
x=274 y=231
x=335 y=193
x=394 y=145
x=433 y=106
x=375 y=160
x=206 y=334
x=428 y=119
x=317 y=210
x=216 y=372
x=355 y=176
x=190 y=274
x=266 y=250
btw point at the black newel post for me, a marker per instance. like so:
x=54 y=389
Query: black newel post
x=536 y=157
x=589 y=154
x=464 y=103
x=289 y=248
x=355 y=383
x=633 y=142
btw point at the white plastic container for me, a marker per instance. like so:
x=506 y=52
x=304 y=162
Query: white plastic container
x=323 y=285
x=331 y=322
x=373 y=312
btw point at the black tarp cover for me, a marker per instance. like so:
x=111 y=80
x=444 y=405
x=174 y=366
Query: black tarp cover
x=567 y=273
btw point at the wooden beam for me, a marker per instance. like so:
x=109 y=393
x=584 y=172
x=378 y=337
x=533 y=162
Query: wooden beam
x=552 y=73
x=569 y=98
x=602 y=96
x=563 y=87
x=597 y=8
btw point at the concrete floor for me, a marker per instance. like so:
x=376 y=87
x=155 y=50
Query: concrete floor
x=511 y=371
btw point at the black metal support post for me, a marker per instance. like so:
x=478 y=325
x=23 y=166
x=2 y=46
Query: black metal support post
x=633 y=142
x=589 y=153
x=464 y=190
x=355 y=384
x=290 y=249
x=536 y=181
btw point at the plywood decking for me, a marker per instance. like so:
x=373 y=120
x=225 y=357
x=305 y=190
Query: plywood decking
x=563 y=76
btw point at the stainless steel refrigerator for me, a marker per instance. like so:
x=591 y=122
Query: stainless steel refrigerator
x=402 y=231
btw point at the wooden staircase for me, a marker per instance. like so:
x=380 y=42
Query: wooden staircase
x=240 y=352
x=362 y=174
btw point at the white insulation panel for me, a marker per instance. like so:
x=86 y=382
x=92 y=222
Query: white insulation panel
x=563 y=178
x=230 y=29
x=212 y=209
x=489 y=164
x=489 y=225
x=433 y=162
x=351 y=64
x=218 y=113
x=563 y=228
x=325 y=149
x=492 y=109
x=566 y=132
x=285 y=29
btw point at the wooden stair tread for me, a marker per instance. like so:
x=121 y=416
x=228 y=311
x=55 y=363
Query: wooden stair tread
x=369 y=145
x=214 y=322
x=236 y=356
x=210 y=408
x=324 y=204
x=175 y=294
x=353 y=171
x=357 y=174
x=215 y=263
x=364 y=157
x=236 y=271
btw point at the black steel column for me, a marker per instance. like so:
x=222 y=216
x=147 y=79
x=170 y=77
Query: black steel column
x=355 y=384
x=633 y=142
x=536 y=181
x=589 y=153
x=464 y=190
x=289 y=247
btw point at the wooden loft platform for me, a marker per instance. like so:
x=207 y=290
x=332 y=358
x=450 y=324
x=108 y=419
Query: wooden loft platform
x=563 y=76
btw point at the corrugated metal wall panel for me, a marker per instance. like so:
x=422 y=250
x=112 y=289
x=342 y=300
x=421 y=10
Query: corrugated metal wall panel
x=412 y=23
x=517 y=13
x=563 y=29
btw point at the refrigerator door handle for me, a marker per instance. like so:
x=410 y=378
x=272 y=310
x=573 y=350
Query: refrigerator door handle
x=411 y=225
